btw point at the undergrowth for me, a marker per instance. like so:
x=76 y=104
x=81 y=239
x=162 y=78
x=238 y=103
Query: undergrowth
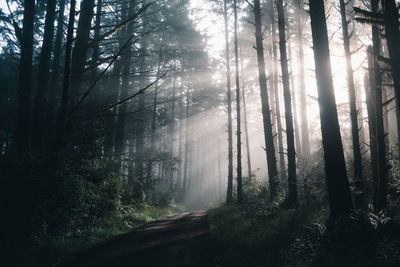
x=48 y=250
x=281 y=237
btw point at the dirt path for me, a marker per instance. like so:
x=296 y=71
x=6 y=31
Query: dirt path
x=181 y=240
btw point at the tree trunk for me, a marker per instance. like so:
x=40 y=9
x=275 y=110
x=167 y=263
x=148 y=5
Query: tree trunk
x=153 y=125
x=266 y=112
x=79 y=53
x=282 y=164
x=62 y=117
x=294 y=101
x=392 y=33
x=246 y=130
x=380 y=133
x=22 y=135
x=125 y=86
x=185 y=166
x=359 y=107
x=358 y=177
x=238 y=131
x=291 y=152
x=305 y=139
x=95 y=53
x=55 y=73
x=335 y=167
x=229 y=99
x=38 y=125
x=179 y=174
x=172 y=132
x=369 y=89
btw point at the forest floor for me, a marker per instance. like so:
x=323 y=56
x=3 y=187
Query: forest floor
x=181 y=240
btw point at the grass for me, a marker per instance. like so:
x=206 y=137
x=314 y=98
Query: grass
x=245 y=239
x=244 y=236
x=49 y=250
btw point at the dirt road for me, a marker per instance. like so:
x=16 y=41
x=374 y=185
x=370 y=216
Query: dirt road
x=182 y=240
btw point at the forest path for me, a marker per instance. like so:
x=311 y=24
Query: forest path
x=181 y=240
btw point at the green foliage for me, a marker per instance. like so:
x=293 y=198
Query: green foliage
x=48 y=250
x=279 y=237
x=243 y=239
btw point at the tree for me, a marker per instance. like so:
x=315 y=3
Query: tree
x=229 y=100
x=291 y=153
x=358 y=177
x=282 y=164
x=335 y=168
x=40 y=103
x=266 y=112
x=305 y=139
x=238 y=132
x=22 y=135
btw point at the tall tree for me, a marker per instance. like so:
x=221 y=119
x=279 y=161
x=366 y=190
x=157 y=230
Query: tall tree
x=40 y=103
x=358 y=177
x=369 y=87
x=79 y=54
x=125 y=82
x=392 y=33
x=305 y=138
x=282 y=162
x=376 y=91
x=22 y=135
x=335 y=167
x=238 y=132
x=291 y=152
x=56 y=66
x=246 y=130
x=229 y=99
x=266 y=112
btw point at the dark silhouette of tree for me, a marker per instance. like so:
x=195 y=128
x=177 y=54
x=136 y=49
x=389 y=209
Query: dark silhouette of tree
x=238 y=131
x=266 y=112
x=340 y=202
x=358 y=176
x=229 y=100
x=22 y=135
x=39 y=109
x=291 y=153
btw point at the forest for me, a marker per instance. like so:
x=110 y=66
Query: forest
x=200 y=132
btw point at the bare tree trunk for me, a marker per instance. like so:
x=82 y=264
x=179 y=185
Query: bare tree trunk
x=282 y=164
x=380 y=134
x=229 y=99
x=358 y=177
x=369 y=89
x=294 y=101
x=120 y=139
x=266 y=112
x=392 y=34
x=55 y=73
x=172 y=132
x=95 y=53
x=246 y=130
x=335 y=167
x=22 y=135
x=38 y=125
x=305 y=139
x=359 y=106
x=179 y=174
x=185 y=166
x=291 y=152
x=153 y=126
x=238 y=131
x=62 y=117
x=79 y=52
